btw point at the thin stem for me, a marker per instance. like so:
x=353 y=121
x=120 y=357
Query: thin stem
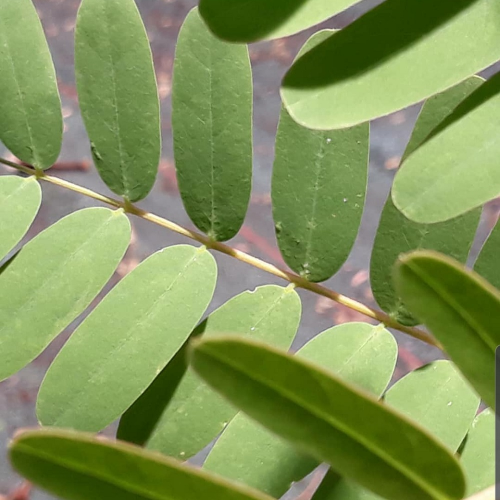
x=297 y=280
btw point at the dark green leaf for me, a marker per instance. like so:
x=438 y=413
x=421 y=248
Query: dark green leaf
x=19 y=203
x=478 y=456
x=212 y=128
x=54 y=278
x=330 y=419
x=31 y=125
x=118 y=95
x=456 y=170
x=270 y=313
x=437 y=109
x=399 y=53
x=246 y=452
x=141 y=324
x=488 y=264
x=461 y=310
x=78 y=466
x=318 y=192
x=249 y=21
x=396 y=234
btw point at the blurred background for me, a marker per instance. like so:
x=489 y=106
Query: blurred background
x=270 y=60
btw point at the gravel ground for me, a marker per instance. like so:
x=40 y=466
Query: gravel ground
x=270 y=61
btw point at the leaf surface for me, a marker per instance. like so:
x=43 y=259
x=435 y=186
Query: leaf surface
x=246 y=452
x=337 y=85
x=270 y=313
x=460 y=309
x=250 y=21
x=487 y=263
x=19 y=203
x=330 y=419
x=78 y=466
x=212 y=128
x=54 y=278
x=30 y=107
x=139 y=325
x=478 y=456
x=118 y=95
x=456 y=170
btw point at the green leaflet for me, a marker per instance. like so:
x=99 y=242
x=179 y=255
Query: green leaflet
x=30 y=107
x=270 y=313
x=396 y=234
x=19 y=203
x=54 y=278
x=437 y=109
x=456 y=170
x=118 y=95
x=78 y=466
x=246 y=452
x=438 y=398
x=337 y=85
x=330 y=419
x=487 y=264
x=141 y=324
x=250 y=21
x=461 y=310
x=212 y=128
x=318 y=192
x=478 y=456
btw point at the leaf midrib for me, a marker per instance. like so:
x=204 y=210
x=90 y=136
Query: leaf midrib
x=340 y=426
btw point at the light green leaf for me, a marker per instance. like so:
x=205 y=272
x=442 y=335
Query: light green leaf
x=478 y=456
x=437 y=109
x=438 y=398
x=396 y=234
x=138 y=423
x=461 y=310
x=212 y=128
x=330 y=419
x=30 y=107
x=456 y=170
x=19 y=203
x=118 y=95
x=78 y=466
x=337 y=85
x=318 y=192
x=270 y=313
x=249 y=21
x=248 y=453
x=54 y=278
x=487 y=264
x=141 y=323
